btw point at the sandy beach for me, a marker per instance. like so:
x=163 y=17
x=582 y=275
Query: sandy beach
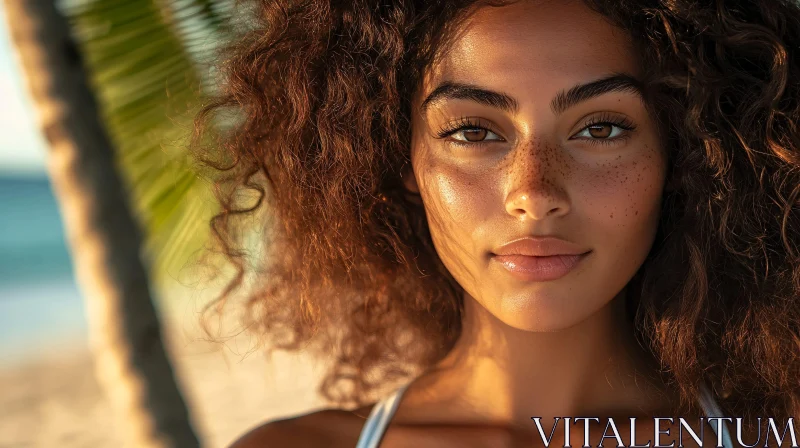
x=52 y=399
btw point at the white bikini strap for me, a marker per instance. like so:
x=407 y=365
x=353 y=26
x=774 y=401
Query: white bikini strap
x=712 y=410
x=382 y=413
x=378 y=420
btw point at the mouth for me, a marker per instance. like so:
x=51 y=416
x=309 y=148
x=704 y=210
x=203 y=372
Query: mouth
x=539 y=268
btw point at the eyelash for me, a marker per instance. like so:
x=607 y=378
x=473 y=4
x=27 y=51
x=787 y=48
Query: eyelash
x=467 y=123
x=614 y=120
x=463 y=124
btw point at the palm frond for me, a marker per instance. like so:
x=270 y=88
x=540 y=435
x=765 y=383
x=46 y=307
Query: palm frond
x=148 y=61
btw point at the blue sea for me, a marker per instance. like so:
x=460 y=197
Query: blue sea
x=40 y=304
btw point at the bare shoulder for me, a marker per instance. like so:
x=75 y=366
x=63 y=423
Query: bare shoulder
x=326 y=428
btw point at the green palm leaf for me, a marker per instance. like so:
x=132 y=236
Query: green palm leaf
x=148 y=61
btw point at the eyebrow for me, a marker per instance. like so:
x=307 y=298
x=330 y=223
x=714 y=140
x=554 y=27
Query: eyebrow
x=458 y=91
x=618 y=82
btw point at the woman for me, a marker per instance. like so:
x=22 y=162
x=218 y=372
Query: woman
x=529 y=208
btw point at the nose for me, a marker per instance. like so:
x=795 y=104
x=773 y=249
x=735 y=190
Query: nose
x=536 y=185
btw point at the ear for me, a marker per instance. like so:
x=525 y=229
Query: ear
x=409 y=180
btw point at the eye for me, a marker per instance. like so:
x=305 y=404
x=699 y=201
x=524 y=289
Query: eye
x=601 y=131
x=469 y=131
x=474 y=135
x=605 y=129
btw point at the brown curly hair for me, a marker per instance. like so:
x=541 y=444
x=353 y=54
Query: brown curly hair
x=321 y=92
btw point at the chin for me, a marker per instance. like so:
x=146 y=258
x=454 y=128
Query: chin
x=545 y=311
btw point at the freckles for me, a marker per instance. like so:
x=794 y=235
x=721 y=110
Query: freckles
x=627 y=189
x=536 y=164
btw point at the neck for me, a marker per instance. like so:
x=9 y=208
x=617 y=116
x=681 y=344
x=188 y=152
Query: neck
x=497 y=374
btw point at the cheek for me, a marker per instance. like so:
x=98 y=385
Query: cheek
x=455 y=197
x=623 y=198
x=458 y=202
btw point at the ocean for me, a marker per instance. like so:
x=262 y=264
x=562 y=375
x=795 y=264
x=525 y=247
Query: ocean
x=40 y=305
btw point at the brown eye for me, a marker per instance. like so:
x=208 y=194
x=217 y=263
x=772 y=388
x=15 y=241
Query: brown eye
x=474 y=135
x=467 y=135
x=600 y=130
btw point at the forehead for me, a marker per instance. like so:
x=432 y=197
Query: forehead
x=534 y=47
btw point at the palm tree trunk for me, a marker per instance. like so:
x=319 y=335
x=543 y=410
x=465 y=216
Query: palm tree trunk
x=104 y=238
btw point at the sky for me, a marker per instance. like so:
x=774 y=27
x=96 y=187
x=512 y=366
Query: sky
x=22 y=148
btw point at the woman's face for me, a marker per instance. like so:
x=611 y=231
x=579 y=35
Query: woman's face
x=532 y=128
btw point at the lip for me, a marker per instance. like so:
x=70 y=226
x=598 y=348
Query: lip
x=539 y=258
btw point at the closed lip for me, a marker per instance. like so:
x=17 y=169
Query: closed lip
x=540 y=246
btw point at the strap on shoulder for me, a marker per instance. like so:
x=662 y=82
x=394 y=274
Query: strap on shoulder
x=383 y=411
x=378 y=420
x=711 y=409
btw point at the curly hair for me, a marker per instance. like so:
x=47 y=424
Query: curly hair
x=322 y=91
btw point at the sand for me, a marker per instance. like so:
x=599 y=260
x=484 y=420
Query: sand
x=52 y=399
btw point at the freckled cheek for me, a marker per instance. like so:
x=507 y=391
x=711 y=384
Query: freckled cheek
x=624 y=196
